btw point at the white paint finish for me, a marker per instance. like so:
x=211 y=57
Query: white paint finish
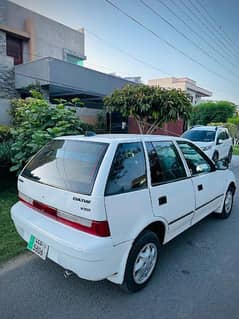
x=128 y=214
x=90 y=257
x=176 y=206
x=211 y=147
x=63 y=200
x=212 y=188
x=96 y=258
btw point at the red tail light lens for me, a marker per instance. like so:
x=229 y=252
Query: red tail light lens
x=97 y=228
x=44 y=208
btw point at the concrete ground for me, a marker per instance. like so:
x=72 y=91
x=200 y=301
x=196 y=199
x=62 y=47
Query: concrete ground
x=198 y=277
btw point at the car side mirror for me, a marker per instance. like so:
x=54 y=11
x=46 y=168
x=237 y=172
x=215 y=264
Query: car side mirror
x=219 y=141
x=202 y=168
x=222 y=164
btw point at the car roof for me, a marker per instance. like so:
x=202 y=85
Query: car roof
x=206 y=128
x=111 y=138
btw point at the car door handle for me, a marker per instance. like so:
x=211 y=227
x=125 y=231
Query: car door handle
x=162 y=200
x=200 y=187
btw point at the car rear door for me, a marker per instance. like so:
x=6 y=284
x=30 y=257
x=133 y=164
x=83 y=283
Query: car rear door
x=221 y=147
x=127 y=200
x=227 y=143
x=171 y=189
x=205 y=178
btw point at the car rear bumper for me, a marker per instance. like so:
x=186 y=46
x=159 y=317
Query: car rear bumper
x=89 y=256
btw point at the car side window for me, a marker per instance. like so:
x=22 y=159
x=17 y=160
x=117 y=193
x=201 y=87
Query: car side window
x=165 y=162
x=128 y=170
x=221 y=136
x=196 y=160
x=226 y=135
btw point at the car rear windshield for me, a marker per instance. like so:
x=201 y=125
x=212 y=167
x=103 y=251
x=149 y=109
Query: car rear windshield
x=200 y=135
x=67 y=164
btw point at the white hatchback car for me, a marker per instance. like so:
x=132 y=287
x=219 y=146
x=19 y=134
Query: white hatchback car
x=101 y=206
x=215 y=141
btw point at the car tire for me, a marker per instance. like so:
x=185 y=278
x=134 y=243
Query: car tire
x=142 y=261
x=229 y=157
x=215 y=157
x=228 y=203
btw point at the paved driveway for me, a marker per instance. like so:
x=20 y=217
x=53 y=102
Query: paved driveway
x=198 y=277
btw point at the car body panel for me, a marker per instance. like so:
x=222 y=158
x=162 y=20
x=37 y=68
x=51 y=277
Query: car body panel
x=128 y=214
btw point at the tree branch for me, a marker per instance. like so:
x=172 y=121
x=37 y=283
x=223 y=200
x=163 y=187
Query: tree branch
x=153 y=127
x=139 y=125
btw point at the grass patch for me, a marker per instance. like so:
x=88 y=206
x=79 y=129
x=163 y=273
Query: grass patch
x=235 y=150
x=10 y=242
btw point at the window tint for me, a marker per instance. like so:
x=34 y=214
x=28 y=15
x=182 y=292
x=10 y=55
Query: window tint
x=226 y=135
x=195 y=159
x=67 y=164
x=223 y=135
x=165 y=162
x=200 y=135
x=128 y=170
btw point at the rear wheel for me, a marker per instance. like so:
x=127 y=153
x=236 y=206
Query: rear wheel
x=141 y=262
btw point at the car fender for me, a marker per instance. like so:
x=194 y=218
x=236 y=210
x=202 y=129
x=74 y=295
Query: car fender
x=229 y=179
x=118 y=277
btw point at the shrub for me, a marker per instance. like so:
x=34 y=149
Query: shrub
x=38 y=122
x=5 y=133
x=5 y=154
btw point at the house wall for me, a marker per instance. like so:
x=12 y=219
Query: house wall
x=185 y=84
x=48 y=37
x=170 y=128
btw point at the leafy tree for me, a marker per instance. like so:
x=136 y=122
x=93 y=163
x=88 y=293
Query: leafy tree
x=234 y=120
x=36 y=122
x=151 y=107
x=215 y=112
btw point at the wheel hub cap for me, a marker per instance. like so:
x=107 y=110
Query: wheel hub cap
x=228 y=202
x=145 y=263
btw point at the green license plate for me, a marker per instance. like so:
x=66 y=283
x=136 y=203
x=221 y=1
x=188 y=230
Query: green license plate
x=38 y=247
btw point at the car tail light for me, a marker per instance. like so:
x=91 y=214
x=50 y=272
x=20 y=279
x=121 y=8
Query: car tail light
x=97 y=228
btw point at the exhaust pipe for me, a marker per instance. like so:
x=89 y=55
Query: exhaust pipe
x=67 y=273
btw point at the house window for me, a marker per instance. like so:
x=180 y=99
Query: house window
x=14 y=49
x=74 y=59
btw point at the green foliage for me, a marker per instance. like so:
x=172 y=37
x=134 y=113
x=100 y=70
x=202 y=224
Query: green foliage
x=150 y=106
x=235 y=150
x=234 y=120
x=208 y=112
x=5 y=133
x=10 y=242
x=5 y=154
x=37 y=122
